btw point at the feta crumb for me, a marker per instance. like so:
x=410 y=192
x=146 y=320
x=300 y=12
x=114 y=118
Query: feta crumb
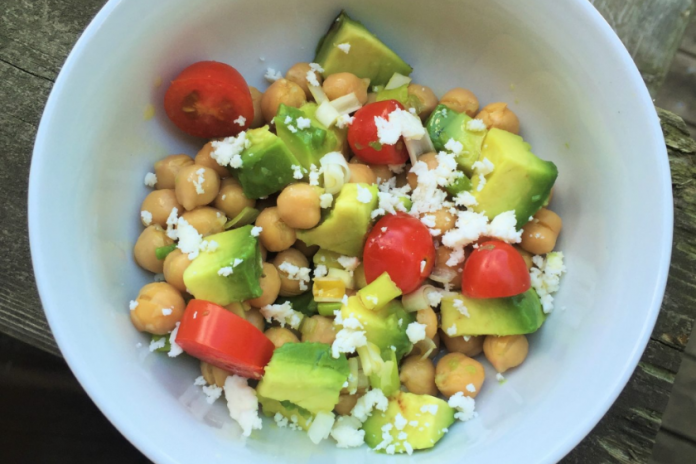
x=256 y=231
x=408 y=447
x=150 y=179
x=288 y=120
x=237 y=262
x=344 y=47
x=476 y=125
x=146 y=216
x=292 y=129
x=167 y=311
x=504 y=227
x=198 y=182
x=303 y=123
x=212 y=393
x=465 y=199
x=464 y=405
x=546 y=277
x=400 y=422
x=157 y=344
x=174 y=350
x=296 y=171
x=314 y=175
x=132 y=305
x=320 y=271
x=349 y=338
x=364 y=194
x=321 y=426
x=384 y=229
x=225 y=271
x=272 y=75
x=242 y=404
x=283 y=313
x=312 y=79
x=200 y=381
x=430 y=409
x=280 y=420
x=396 y=168
x=402 y=436
x=415 y=332
x=189 y=238
x=471 y=388
x=434 y=298
x=459 y=306
x=344 y=121
x=349 y=263
x=325 y=200
x=499 y=377
x=295 y=272
x=346 y=431
x=316 y=67
x=398 y=123
x=227 y=152
x=452 y=331
x=241 y=120
x=454 y=146
x=373 y=399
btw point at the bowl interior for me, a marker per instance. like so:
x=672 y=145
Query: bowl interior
x=556 y=63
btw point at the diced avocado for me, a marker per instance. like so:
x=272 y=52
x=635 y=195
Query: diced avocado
x=438 y=120
x=368 y=57
x=520 y=181
x=382 y=368
x=295 y=414
x=379 y=292
x=307 y=144
x=429 y=430
x=344 y=228
x=471 y=141
x=303 y=303
x=327 y=309
x=335 y=137
x=305 y=374
x=382 y=327
x=266 y=164
x=245 y=217
x=203 y=281
x=399 y=94
x=461 y=184
x=516 y=315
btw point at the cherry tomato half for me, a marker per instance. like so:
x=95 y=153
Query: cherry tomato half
x=363 y=138
x=209 y=100
x=399 y=244
x=495 y=270
x=217 y=336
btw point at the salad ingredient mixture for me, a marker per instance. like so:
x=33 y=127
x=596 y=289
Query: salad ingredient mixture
x=346 y=250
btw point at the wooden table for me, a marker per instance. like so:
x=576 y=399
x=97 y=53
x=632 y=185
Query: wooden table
x=37 y=35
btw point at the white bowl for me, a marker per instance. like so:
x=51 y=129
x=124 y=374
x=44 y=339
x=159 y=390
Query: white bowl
x=581 y=102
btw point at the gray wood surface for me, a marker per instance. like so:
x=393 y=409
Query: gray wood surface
x=35 y=38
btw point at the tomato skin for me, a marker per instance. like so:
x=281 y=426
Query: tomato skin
x=219 y=337
x=363 y=132
x=399 y=251
x=206 y=99
x=495 y=270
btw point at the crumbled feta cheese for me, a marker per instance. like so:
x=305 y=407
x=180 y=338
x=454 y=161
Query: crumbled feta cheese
x=465 y=199
x=452 y=330
x=434 y=298
x=237 y=262
x=256 y=231
x=227 y=152
x=303 y=274
x=132 y=305
x=325 y=200
x=504 y=227
x=242 y=404
x=415 y=332
x=146 y=216
x=288 y=120
x=157 y=344
x=172 y=221
x=546 y=277
x=189 y=238
x=499 y=377
x=241 y=120
x=272 y=75
x=476 y=125
x=454 y=146
x=349 y=263
x=321 y=426
x=344 y=47
x=283 y=313
x=466 y=337
x=211 y=246
x=292 y=129
x=428 y=221
x=167 y=311
x=212 y=393
x=364 y=194
x=396 y=168
x=349 y=338
x=174 y=350
x=429 y=408
x=225 y=271
x=400 y=422
x=296 y=171
x=398 y=123
x=484 y=167
x=344 y=121
x=200 y=381
x=312 y=78
x=373 y=399
x=150 y=179
x=316 y=67
x=280 y=420
x=198 y=182
x=346 y=431
x=408 y=447
x=464 y=406
x=459 y=306
x=402 y=436
x=303 y=123
x=471 y=388
x=320 y=271
x=314 y=175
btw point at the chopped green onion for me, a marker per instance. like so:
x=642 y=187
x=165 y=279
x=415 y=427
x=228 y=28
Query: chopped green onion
x=418 y=299
x=245 y=217
x=327 y=309
x=167 y=345
x=379 y=293
x=163 y=251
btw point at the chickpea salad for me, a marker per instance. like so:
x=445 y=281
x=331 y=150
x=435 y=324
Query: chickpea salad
x=347 y=250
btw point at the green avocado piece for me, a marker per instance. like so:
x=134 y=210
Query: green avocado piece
x=203 y=281
x=382 y=327
x=295 y=414
x=303 y=303
x=368 y=57
x=245 y=217
x=378 y=293
x=520 y=181
x=327 y=258
x=470 y=140
x=266 y=164
x=429 y=430
x=516 y=315
x=344 y=228
x=307 y=144
x=399 y=94
x=461 y=184
x=306 y=375
x=335 y=138
x=438 y=120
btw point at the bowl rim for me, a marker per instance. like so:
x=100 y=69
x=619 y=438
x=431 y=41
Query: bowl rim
x=123 y=422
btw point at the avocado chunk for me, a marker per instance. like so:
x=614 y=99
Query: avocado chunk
x=335 y=137
x=327 y=258
x=379 y=292
x=438 y=120
x=304 y=303
x=461 y=184
x=344 y=228
x=515 y=315
x=306 y=375
x=308 y=144
x=399 y=94
x=520 y=181
x=471 y=141
x=295 y=414
x=266 y=164
x=433 y=421
x=368 y=56
x=382 y=327
x=234 y=246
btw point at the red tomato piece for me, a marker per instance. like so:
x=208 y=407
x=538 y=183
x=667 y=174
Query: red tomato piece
x=209 y=100
x=217 y=336
x=363 y=139
x=400 y=251
x=495 y=270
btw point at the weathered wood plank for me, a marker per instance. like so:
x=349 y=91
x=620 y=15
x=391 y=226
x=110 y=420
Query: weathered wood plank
x=652 y=31
x=671 y=449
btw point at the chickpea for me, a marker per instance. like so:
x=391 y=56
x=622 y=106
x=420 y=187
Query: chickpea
x=206 y=220
x=204 y=158
x=166 y=169
x=194 y=179
x=289 y=287
x=540 y=234
x=340 y=84
x=159 y=204
x=418 y=376
x=306 y=250
x=472 y=347
x=281 y=91
x=346 y=403
x=231 y=199
x=213 y=374
x=451 y=275
x=527 y=256
x=455 y=372
x=280 y=336
x=361 y=174
x=153 y=301
x=505 y=352
x=426 y=98
x=500 y=116
x=258 y=120
x=428 y=317
x=275 y=234
x=256 y=319
x=461 y=101
x=270 y=285
x=298 y=206
x=444 y=220
x=298 y=74
x=318 y=329
x=150 y=239
x=430 y=159
x=175 y=264
x=382 y=172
